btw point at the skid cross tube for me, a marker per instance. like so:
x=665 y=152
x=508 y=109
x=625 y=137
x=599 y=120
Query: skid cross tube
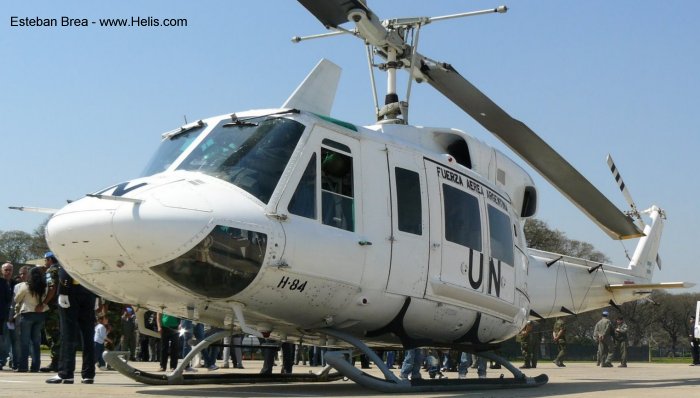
x=392 y=384
x=115 y=360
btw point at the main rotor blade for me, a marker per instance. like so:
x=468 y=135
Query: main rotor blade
x=332 y=13
x=523 y=141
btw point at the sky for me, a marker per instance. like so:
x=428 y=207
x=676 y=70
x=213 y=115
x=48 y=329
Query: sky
x=83 y=108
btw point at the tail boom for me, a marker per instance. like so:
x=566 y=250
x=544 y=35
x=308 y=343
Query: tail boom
x=568 y=285
x=562 y=285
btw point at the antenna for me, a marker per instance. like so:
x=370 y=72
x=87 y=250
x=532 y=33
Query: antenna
x=387 y=39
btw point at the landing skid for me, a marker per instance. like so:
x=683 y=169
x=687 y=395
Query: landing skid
x=336 y=359
x=392 y=384
x=178 y=377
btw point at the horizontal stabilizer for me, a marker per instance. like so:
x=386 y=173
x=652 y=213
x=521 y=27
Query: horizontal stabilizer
x=34 y=209
x=650 y=286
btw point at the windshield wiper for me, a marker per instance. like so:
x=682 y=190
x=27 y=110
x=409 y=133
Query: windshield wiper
x=173 y=133
x=236 y=122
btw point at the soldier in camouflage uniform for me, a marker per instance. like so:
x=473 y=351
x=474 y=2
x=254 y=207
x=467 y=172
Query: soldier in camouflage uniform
x=603 y=334
x=559 y=338
x=52 y=324
x=620 y=336
x=526 y=346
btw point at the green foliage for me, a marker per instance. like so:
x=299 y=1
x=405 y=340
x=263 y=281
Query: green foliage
x=19 y=246
x=15 y=246
x=540 y=236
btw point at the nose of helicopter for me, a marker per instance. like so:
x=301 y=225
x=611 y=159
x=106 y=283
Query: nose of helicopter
x=193 y=232
x=96 y=234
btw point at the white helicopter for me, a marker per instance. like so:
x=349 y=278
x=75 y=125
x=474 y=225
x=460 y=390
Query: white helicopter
x=290 y=224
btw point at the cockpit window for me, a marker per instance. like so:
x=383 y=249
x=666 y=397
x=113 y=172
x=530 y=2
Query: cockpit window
x=303 y=202
x=170 y=148
x=250 y=155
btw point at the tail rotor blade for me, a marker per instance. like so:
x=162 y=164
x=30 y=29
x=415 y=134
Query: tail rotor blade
x=634 y=211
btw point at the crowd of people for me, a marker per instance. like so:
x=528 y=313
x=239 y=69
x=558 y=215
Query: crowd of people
x=44 y=304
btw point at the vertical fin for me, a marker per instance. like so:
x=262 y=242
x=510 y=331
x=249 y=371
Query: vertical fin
x=317 y=92
x=645 y=255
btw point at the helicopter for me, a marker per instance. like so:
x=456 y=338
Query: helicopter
x=290 y=224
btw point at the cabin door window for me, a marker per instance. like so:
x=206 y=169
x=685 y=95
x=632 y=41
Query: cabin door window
x=337 y=188
x=409 y=224
x=321 y=230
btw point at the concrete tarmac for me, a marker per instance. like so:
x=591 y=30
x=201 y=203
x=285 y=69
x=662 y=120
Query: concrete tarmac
x=575 y=380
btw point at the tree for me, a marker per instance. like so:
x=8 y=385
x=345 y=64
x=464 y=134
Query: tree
x=639 y=318
x=39 y=245
x=539 y=236
x=663 y=318
x=19 y=246
x=15 y=246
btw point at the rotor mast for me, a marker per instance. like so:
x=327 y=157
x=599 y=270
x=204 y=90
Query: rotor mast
x=388 y=40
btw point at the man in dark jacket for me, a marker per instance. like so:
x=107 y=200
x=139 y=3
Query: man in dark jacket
x=77 y=307
x=6 y=292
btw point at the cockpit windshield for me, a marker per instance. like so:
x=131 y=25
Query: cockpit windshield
x=170 y=148
x=251 y=155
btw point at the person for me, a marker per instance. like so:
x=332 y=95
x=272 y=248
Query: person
x=6 y=333
x=226 y=353
x=535 y=339
x=191 y=334
x=287 y=357
x=620 y=338
x=169 y=340
x=30 y=295
x=390 y=359
x=52 y=324
x=301 y=353
x=602 y=333
x=269 y=351
x=77 y=315
x=233 y=344
x=364 y=361
x=559 y=338
x=411 y=364
x=99 y=340
x=128 y=339
x=210 y=353
x=694 y=337
x=13 y=319
x=149 y=344
x=467 y=360
x=317 y=356
x=526 y=345
x=448 y=363
x=433 y=364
